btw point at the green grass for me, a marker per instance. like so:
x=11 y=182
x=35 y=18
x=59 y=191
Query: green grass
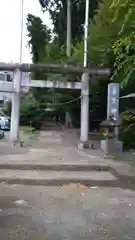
x=28 y=131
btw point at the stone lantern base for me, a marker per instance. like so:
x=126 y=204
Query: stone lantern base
x=118 y=147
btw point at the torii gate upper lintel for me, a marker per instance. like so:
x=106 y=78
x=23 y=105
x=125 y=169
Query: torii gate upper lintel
x=55 y=68
x=15 y=88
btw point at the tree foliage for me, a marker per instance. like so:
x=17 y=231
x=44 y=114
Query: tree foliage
x=39 y=36
x=112 y=39
x=124 y=46
x=58 y=13
x=127 y=130
x=103 y=32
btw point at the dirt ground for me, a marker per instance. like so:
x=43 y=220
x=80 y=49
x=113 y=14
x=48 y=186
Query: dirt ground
x=68 y=212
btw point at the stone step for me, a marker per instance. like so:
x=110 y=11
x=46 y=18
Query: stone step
x=27 y=177
x=52 y=126
x=53 y=165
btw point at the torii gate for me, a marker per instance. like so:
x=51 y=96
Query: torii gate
x=15 y=88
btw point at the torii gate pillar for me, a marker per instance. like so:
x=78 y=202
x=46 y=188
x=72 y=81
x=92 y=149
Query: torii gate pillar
x=15 y=111
x=84 y=108
x=84 y=134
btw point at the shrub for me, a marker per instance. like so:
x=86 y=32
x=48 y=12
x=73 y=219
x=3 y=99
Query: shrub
x=127 y=129
x=31 y=111
x=7 y=108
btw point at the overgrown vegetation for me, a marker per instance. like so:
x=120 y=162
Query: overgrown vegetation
x=127 y=131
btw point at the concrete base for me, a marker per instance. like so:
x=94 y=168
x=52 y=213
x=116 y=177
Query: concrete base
x=83 y=145
x=108 y=156
x=19 y=143
x=118 y=146
x=2 y=134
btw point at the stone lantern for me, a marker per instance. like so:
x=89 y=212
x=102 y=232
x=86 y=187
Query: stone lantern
x=109 y=146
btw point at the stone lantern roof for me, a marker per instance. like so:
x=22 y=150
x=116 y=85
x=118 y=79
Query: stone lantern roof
x=109 y=123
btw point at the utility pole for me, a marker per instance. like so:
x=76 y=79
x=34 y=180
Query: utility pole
x=86 y=28
x=15 y=112
x=85 y=86
x=21 y=27
x=68 y=45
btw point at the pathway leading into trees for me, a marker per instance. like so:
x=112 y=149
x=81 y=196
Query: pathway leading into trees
x=67 y=211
